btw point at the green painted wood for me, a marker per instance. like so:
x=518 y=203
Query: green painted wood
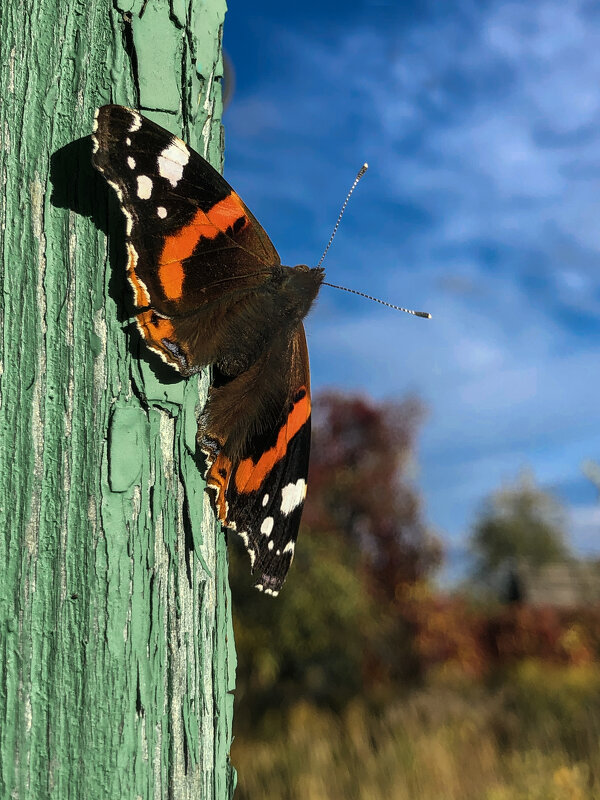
x=116 y=646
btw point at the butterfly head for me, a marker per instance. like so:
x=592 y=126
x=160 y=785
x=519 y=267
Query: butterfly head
x=303 y=284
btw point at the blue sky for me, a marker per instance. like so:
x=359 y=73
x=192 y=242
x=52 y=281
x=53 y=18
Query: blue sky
x=481 y=125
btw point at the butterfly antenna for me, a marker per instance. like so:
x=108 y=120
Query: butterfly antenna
x=423 y=314
x=361 y=172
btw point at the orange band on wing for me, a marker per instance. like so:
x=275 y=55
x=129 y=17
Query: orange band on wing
x=171 y=278
x=181 y=245
x=218 y=478
x=154 y=329
x=226 y=212
x=249 y=476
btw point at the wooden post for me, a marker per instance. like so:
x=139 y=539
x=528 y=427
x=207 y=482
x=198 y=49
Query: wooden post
x=116 y=647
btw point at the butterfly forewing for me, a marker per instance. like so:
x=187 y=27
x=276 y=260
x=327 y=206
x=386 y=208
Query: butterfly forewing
x=189 y=229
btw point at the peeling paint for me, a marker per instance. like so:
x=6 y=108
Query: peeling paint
x=70 y=289
x=144 y=738
x=128 y=617
x=66 y=487
x=118 y=617
x=167 y=430
x=99 y=382
x=37 y=427
x=91 y=511
x=37 y=435
x=161 y=583
x=136 y=503
x=11 y=70
x=6 y=144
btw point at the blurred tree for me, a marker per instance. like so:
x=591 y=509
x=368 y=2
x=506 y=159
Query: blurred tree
x=309 y=643
x=361 y=487
x=518 y=524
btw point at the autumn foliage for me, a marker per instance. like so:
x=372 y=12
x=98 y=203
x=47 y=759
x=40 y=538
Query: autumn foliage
x=452 y=633
x=361 y=487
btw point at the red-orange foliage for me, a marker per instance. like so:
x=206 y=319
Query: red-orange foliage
x=446 y=632
x=449 y=631
x=544 y=633
x=361 y=454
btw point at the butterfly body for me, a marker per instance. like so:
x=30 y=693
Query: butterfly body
x=209 y=290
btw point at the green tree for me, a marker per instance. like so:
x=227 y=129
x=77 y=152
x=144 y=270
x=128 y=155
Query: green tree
x=520 y=523
x=307 y=644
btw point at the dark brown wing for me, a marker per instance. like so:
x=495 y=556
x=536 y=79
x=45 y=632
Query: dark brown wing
x=260 y=492
x=193 y=247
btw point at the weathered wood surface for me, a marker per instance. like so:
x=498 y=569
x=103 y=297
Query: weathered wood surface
x=116 y=652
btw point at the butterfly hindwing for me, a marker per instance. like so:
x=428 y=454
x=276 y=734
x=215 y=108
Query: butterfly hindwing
x=260 y=494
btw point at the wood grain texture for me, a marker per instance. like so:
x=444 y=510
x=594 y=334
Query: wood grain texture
x=116 y=646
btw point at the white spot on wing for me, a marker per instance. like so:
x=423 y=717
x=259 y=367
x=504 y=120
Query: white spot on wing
x=292 y=496
x=289 y=548
x=133 y=257
x=267 y=526
x=271 y=544
x=95 y=143
x=161 y=211
x=172 y=160
x=136 y=122
x=265 y=500
x=130 y=162
x=128 y=142
x=117 y=189
x=144 y=187
x=128 y=221
x=246 y=539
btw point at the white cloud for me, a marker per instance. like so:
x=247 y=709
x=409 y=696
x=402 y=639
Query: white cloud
x=584 y=524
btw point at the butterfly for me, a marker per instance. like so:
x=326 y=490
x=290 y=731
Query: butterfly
x=209 y=289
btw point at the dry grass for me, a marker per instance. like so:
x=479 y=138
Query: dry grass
x=535 y=738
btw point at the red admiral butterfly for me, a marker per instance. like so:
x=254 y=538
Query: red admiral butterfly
x=209 y=289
